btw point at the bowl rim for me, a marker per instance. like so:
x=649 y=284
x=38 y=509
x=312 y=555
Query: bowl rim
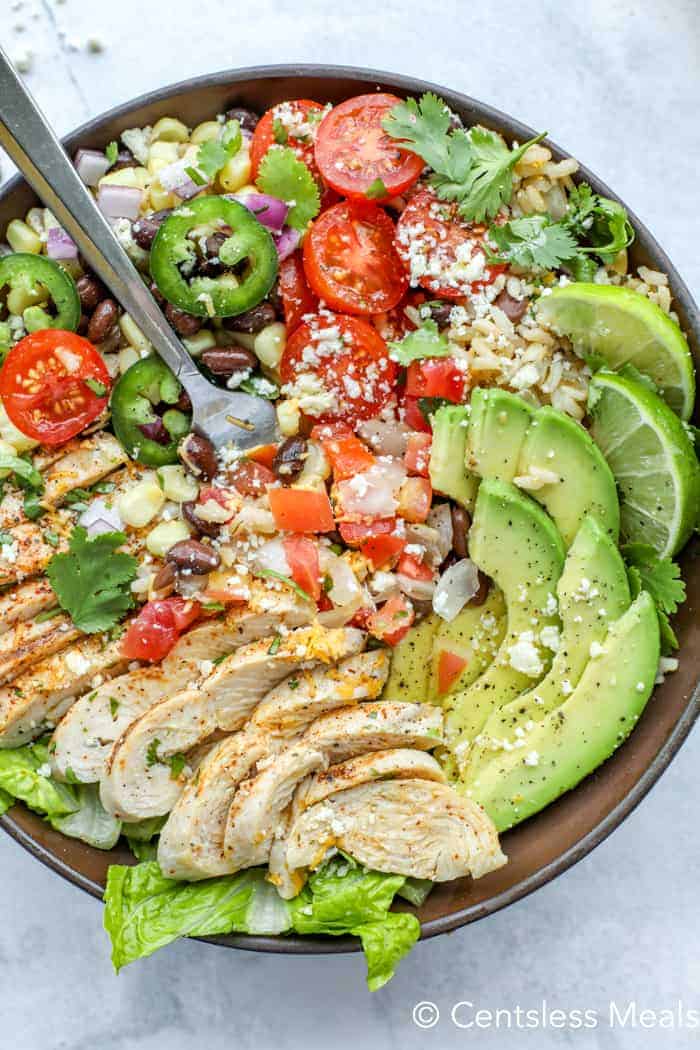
x=463 y=916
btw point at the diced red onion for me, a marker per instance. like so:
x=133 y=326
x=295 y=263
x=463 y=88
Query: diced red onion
x=372 y=493
x=101 y=516
x=119 y=202
x=387 y=438
x=155 y=431
x=91 y=165
x=286 y=242
x=272 y=557
x=174 y=179
x=440 y=518
x=270 y=211
x=417 y=590
x=455 y=588
x=59 y=245
x=430 y=540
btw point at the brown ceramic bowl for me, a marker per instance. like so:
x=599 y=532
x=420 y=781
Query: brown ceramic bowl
x=566 y=831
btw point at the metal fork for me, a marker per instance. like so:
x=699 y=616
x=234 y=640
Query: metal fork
x=222 y=416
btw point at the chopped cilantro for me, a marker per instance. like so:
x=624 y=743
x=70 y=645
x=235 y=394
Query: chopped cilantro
x=279 y=132
x=425 y=341
x=213 y=606
x=428 y=406
x=92 y=581
x=197 y=178
x=98 y=388
x=152 y=752
x=293 y=683
x=376 y=190
x=283 y=175
x=32 y=506
x=5 y=538
x=327 y=583
x=111 y=153
x=219 y=659
x=113 y=707
x=271 y=574
x=274 y=647
x=52 y=538
x=177 y=764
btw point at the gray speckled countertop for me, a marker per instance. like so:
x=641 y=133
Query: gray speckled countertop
x=618 y=83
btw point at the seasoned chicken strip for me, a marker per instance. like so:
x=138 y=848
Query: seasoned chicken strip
x=28 y=642
x=191 y=843
x=37 y=699
x=86 y=735
x=416 y=828
x=137 y=781
x=374 y=727
x=25 y=602
x=26 y=553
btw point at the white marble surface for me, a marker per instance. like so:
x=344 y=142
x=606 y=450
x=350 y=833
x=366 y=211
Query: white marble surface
x=619 y=84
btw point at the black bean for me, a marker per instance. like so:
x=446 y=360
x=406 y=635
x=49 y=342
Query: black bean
x=164 y=581
x=102 y=321
x=91 y=292
x=184 y=324
x=224 y=361
x=245 y=117
x=440 y=313
x=193 y=556
x=460 y=527
x=289 y=458
x=514 y=309
x=276 y=301
x=482 y=593
x=144 y=229
x=202 y=527
x=252 y=321
x=199 y=456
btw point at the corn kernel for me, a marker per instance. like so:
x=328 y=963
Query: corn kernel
x=170 y=130
x=140 y=503
x=206 y=132
x=236 y=172
x=316 y=469
x=166 y=535
x=133 y=334
x=161 y=154
x=177 y=485
x=35 y=220
x=135 y=178
x=160 y=199
x=22 y=238
x=288 y=417
x=200 y=341
x=269 y=344
x=127 y=358
x=9 y=433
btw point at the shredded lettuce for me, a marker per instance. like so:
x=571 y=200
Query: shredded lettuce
x=145 y=911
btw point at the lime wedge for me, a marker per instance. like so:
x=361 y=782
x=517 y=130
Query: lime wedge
x=622 y=326
x=652 y=458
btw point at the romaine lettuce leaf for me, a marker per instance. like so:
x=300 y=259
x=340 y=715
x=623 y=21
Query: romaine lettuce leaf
x=416 y=890
x=6 y=800
x=91 y=822
x=385 y=943
x=24 y=774
x=342 y=895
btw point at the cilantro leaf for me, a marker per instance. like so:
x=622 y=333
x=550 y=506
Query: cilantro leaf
x=533 y=242
x=283 y=175
x=489 y=182
x=214 y=154
x=423 y=127
x=23 y=470
x=425 y=341
x=661 y=577
x=111 y=153
x=92 y=581
x=601 y=222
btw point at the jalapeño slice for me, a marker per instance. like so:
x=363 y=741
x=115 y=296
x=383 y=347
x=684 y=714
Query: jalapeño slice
x=148 y=428
x=33 y=274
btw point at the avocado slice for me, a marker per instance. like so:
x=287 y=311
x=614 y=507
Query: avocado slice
x=498 y=422
x=557 y=446
x=448 y=473
x=514 y=542
x=475 y=635
x=583 y=731
x=593 y=592
x=410 y=663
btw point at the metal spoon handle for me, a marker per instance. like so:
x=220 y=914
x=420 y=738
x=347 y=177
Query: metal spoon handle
x=32 y=145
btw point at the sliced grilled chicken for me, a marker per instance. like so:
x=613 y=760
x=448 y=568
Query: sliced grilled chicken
x=191 y=843
x=399 y=763
x=26 y=553
x=86 y=735
x=137 y=781
x=374 y=727
x=259 y=804
x=31 y=641
x=25 y=602
x=416 y=828
x=81 y=464
x=37 y=699
x=295 y=703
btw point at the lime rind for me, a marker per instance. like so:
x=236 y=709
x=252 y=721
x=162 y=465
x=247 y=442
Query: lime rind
x=619 y=326
x=652 y=458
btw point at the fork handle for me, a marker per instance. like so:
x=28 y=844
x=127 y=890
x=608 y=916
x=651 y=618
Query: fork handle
x=28 y=139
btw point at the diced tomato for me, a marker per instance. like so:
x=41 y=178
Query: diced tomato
x=263 y=454
x=417 y=455
x=323 y=602
x=415 y=497
x=272 y=130
x=301 y=510
x=436 y=377
x=381 y=550
x=360 y=619
x=157 y=627
x=393 y=621
x=348 y=456
x=413 y=417
x=355 y=533
x=249 y=478
x=297 y=298
x=450 y=667
x=414 y=568
x=302 y=558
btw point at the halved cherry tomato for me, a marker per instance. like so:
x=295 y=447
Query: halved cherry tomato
x=392 y=621
x=351 y=360
x=436 y=377
x=263 y=454
x=414 y=568
x=437 y=247
x=249 y=478
x=275 y=129
x=347 y=454
x=53 y=383
x=350 y=259
x=302 y=558
x=157 y=627
x=415 y=497
x=354 y=533
x=353 y=150
x=301 y=510
x=381 y=550
x=297 y=298
x=450 y=667
x=417 y=456
x=412 y=415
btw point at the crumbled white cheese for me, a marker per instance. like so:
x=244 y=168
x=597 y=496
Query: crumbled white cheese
x=532 y=758
x=524 y=656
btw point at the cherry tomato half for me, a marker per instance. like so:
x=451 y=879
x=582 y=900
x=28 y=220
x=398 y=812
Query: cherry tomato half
x=442 y=252
x=353 y=151
x=275 y=128
x=53 y=383
x=351 y=262
x=351 y=360
x=297 y=298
